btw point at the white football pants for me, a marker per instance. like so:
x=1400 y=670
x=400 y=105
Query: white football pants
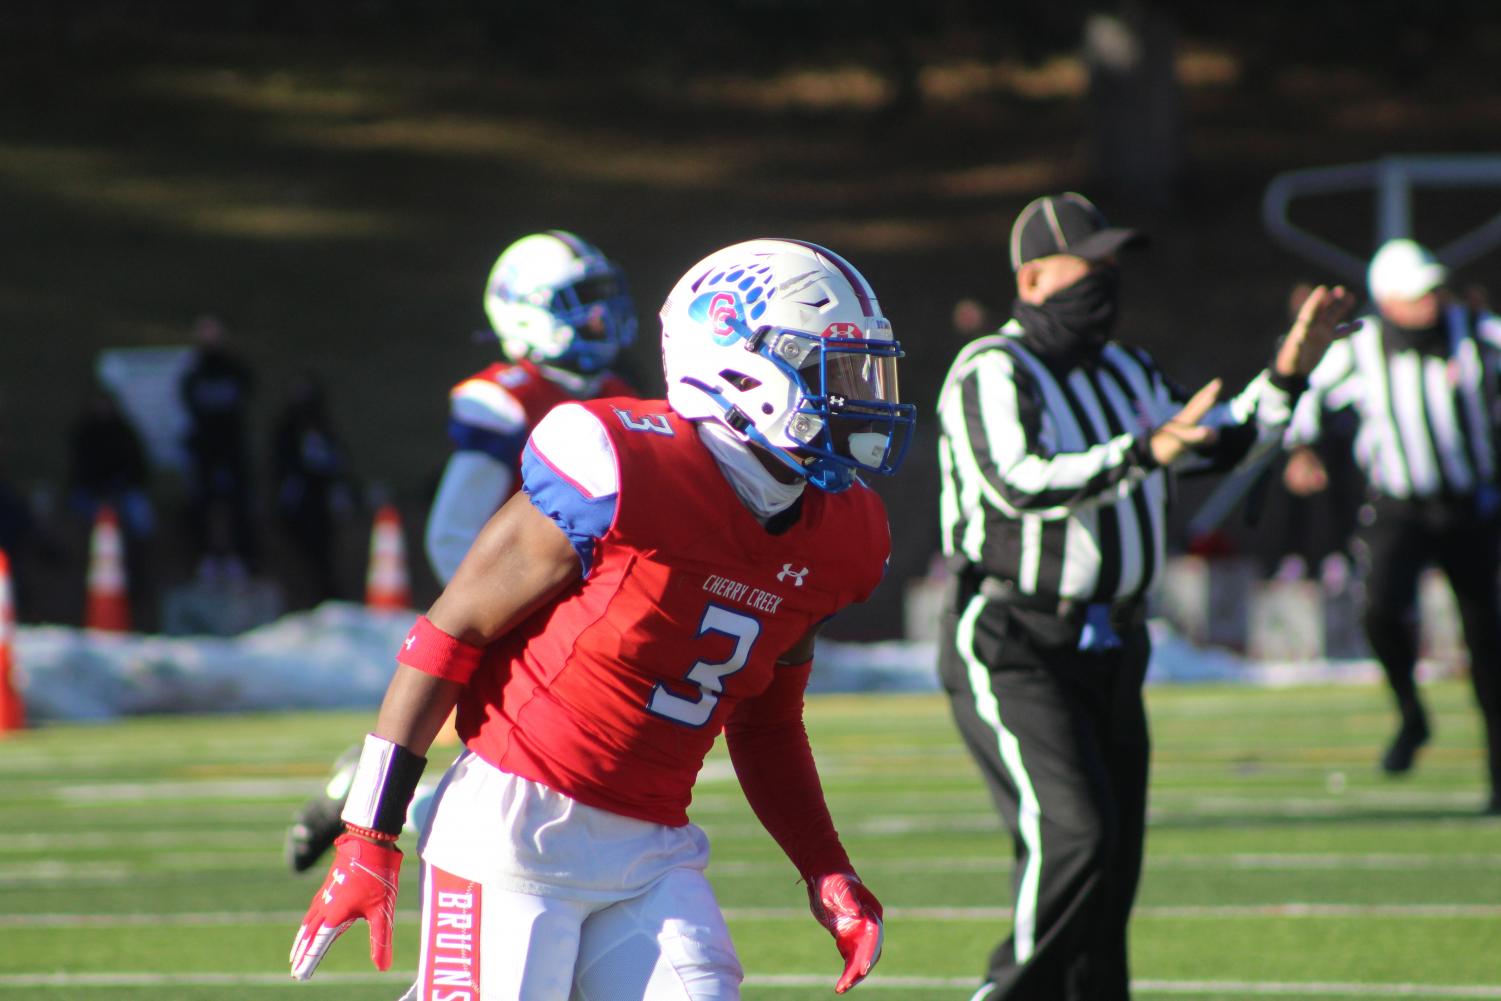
x=531 y=896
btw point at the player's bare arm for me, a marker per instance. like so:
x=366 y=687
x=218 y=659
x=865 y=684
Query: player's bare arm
x=520 y=560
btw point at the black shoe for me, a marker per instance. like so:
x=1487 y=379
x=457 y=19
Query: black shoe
x=317 y=824
x=1404 y=747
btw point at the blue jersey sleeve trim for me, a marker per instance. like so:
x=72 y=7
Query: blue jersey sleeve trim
x=505 y=448
x=583 y=519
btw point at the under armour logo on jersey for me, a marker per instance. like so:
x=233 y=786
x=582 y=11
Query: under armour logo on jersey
x=795 y=575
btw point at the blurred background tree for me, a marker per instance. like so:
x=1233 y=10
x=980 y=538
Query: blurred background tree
x=335 y=178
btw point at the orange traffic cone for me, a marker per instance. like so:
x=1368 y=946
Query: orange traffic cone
x=12 y=708
x=108 y=606
x=386 y=583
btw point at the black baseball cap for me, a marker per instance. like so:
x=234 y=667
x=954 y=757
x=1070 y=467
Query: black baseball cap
x=1066 y=224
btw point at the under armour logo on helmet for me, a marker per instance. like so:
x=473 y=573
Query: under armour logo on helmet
x=796 y=575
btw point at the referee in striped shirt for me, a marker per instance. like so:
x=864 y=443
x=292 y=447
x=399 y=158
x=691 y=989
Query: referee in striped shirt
x=1421 y=374
x=1055 y=448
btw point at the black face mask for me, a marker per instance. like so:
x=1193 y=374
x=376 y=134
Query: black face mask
x=1429 y=340
x=1074 y=322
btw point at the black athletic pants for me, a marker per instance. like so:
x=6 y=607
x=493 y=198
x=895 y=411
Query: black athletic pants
x=1401 y=539
x=1060 y=736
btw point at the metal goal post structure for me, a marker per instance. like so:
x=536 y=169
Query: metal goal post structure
x=1392 y=180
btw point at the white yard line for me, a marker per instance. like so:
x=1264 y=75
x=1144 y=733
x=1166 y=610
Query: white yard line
x=63 y=871
x=877 y=982
x=1272 y=988
x=124 y=979
x=53 y=841
x=1257 y=861
x=188 y=919
x=145 y=792
x=1281 y=911
x=1191 y=806
x=53 y=871
x=1170 y=802
x=1277 y=861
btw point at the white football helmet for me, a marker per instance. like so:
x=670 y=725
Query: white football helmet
x=784 y=343
x=555 y=299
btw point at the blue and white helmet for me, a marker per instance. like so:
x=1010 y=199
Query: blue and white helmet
x=784 y=343
x=555 y=299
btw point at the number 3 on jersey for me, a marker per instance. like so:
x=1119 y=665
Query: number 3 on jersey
x=709 y=677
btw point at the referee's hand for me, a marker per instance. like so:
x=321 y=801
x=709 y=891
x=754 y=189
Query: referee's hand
x=1304 y=475
x=1182 y=431
x=1318 y=323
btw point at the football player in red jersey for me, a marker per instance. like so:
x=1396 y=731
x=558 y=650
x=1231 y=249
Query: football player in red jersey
x=659 y=580
x=562 y=311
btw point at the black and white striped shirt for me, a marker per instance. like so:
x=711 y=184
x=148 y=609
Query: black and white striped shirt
x=1048 y=480
x=1428 y=419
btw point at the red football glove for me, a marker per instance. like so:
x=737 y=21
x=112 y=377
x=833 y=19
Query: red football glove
x=852 y=914
x=361 y=883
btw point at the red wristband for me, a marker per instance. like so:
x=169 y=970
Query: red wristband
x=371 y=833
x=432 y=651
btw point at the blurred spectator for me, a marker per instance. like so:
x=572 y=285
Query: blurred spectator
x=216 y=391
x=311 y=485
x=107 y=465
x=16 y=521
x=18 y=527
x=1477 y=298
x=970 y=318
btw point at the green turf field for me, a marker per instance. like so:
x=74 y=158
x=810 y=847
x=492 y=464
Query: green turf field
x=142 y=860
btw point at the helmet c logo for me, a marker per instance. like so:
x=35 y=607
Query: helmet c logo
x=722 y=309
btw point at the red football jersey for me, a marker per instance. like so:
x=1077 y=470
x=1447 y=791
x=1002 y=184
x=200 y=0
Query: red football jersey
x=494 y=409
x=537 y=393
x=615 y=692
